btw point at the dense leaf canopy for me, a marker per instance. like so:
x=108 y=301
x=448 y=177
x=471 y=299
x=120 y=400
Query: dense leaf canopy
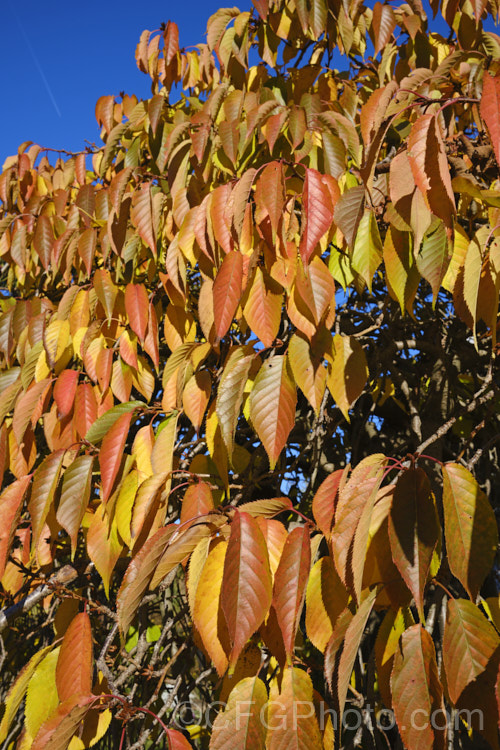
x=249 y=396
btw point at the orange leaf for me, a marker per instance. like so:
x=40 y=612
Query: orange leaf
x=245 y=730
x=246 y=592
x=428 y=162
x=137 y=308
x=195 y=397
x=270 y=195
x=111 y=453
x=291 y=719
x=359 y=490
x=469 y=643
x=318 y=213
x=65 y=391
x=416 y=688
x=11 y=501
x=142 y=215
x=326 y=498
x=196 y=502
x=490 y=109
x=262 y=309
x=290 y=585
x=74 y=664
x=272 y=405
x=227 y=291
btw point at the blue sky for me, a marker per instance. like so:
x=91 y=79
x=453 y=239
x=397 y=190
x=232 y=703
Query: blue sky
x=58 y=57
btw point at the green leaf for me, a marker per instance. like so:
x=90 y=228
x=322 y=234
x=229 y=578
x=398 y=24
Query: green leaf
x=102 y=425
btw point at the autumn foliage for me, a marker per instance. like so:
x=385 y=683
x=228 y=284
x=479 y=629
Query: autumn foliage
x=249 y=394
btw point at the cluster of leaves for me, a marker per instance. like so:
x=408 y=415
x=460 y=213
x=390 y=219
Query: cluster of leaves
x=205 y=322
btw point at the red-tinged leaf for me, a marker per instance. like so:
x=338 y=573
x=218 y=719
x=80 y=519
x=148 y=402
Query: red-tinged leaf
x=490 y=109
x=362 y=485
x=87 y=243
x=373 y=112
x=315 y=288
x=348 y=212
x=413 y=531
x=137 y=308
x=106 y=291
x=197 y=501
x=290 y=585
x=57 y=731
x=182 y=544
x=262 y=309
x=429 y=165
x=177 y=741
x=297 y=125
x=44 y=486
x=241 y=194
x=43 y=239
x=326 y=498
x=75 y=496
x=139 y=574
x=270 y=195
x=230 y=393
x=111 y=453
x=383 y=24
x=291 y=719
x=272 y=405
x=117 y=187
x=65 y=391
x=27 y=405
x=308 y=370
x=85 y=411
x=469 y=643
x=348 y=372
x=11 y=501
x=219 y=202
x=142 y=215
x=195 y=397
x=266 y=508
x=170 y=41
x=326 y=598
x=246 y=592
x=230 y=136
x=352 y=642
x=227 y=291
x=318 y=213
x=74 y=664
x=207 y=612
x=416 y=688
x=240 y=725
x=469 y=518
